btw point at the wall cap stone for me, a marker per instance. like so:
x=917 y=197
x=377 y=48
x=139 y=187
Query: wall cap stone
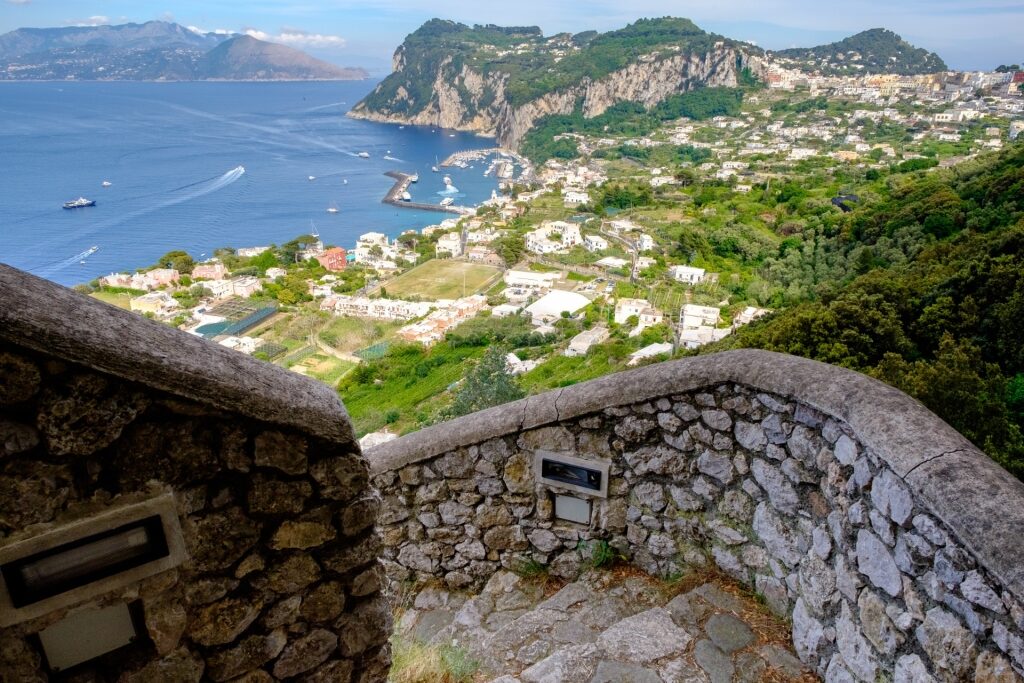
x=977 y=499
x=45 y=317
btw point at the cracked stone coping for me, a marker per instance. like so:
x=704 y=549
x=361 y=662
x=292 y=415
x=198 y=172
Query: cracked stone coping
x=976 y=498
x=56 y=321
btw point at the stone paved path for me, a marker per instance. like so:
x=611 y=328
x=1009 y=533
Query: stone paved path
x=605 y=629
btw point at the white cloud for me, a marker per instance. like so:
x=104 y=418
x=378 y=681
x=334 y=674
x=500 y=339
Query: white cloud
x=216 y=31
x=298 y=38
x=95 y=20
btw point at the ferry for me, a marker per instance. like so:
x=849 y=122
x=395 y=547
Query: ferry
x=79 y=203
x=363 y=155
x=447 y=201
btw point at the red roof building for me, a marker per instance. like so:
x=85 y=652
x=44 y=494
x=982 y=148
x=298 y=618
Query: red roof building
x=333 y=259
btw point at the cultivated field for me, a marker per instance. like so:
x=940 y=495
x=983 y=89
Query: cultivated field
x=442 y=279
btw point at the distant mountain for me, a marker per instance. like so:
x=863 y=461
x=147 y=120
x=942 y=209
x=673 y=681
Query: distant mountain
x=246 y=58
x=876 y=51
x=155 y=50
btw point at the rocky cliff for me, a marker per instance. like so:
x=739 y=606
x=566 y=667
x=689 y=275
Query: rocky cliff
x=486 y=93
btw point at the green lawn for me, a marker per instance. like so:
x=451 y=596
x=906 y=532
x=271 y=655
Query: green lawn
x=351 y=334
x=442 y=279
x=119 y=299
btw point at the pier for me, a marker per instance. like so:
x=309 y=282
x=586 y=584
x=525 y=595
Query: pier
x=402 y=182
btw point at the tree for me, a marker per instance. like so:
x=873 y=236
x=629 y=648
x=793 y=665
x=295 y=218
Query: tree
x=178 y=260
x=488 y=384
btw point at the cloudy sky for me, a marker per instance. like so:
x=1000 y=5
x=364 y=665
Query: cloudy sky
x=968 y=34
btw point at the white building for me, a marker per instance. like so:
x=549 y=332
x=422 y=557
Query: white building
x=378 y=309
x=581 y=343
x=696 y=316
x=595 y=243
x=157 y=303
x=649 y=352
x=612 y=262
x=574 y=198
x=646 y=314
x=748 y=315
x=517 y=366
x=553 y=236
x=645 y=242
x=550 y=307
x=687 y=274
x=245 y=286
x=450 y=244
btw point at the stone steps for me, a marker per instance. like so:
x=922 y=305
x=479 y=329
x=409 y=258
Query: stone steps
x=602 y=629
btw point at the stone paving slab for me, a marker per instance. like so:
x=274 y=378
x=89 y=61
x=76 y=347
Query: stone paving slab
x=603 y=629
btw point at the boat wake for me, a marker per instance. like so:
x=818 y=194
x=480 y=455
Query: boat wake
x=46 y=271
x=179 y=195
x=449 y=190
x=391 y=158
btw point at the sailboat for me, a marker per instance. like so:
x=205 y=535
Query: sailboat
x=312 y=178
x=344 y=181
x=333 y=208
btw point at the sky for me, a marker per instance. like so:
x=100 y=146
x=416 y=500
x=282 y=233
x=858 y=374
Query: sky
x=967 y=34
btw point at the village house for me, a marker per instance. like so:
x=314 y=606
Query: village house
x=334 y=259
x=645 y=242
x=517 y=366
x=249 y=252
x=274 y=273
x=219 y=289
x=245 y=286
x=650 y=351
x=553 y=236
x=582 y=342
x=595 y=243
x=214 y=270
x=449 y=244
x=612 y=262
x=448 y=314
x=695 y=316
x=575 y=198
x=550 y=307
x=645 y=314
x=156 y=303
x=687 y=274
x=377 y=309
x=485 y=255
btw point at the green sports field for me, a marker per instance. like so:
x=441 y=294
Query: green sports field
x=442 y=279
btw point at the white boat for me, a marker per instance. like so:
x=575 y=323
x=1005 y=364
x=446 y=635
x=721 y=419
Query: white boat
x=107 y=183
x=312 y=178
x=414 y=178
x=447 y=201
x=451 y=135
x=406 y=197
x=447 y=180
x=363 y=155
x=344 y=181
x=434 y=169
x=333 y=208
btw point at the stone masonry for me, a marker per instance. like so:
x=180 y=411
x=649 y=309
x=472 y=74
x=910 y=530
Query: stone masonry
x=281 y=578
x=784 y=497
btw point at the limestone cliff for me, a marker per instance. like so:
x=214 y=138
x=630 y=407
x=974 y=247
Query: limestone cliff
x=484 y=93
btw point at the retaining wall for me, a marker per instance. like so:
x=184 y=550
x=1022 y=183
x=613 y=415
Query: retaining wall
x=101 y=409
x=892 y=543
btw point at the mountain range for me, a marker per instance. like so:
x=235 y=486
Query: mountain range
x=155 y=50
x=503 y=81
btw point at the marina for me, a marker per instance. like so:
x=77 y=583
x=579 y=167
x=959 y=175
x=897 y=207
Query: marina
x=399 y=190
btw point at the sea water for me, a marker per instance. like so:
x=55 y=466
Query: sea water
x=174 y=153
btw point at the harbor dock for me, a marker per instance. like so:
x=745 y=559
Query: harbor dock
x=402 y=182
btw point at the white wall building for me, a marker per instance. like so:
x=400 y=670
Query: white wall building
x=687 y=274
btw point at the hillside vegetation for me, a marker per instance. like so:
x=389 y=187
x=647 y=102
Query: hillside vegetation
x=877 y=50
x=931 y=298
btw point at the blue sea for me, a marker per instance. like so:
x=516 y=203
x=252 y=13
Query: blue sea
x=171 y=153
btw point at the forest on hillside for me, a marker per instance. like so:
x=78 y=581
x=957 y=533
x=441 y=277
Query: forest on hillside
x=931 y=301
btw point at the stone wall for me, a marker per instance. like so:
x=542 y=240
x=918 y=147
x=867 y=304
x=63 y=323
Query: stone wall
x=890 y=541
x=100 y=408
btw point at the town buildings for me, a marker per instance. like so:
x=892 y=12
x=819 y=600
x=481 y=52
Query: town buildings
x=334 y=259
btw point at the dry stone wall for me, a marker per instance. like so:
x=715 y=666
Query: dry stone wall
x=281 y=578
x=880 y=573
